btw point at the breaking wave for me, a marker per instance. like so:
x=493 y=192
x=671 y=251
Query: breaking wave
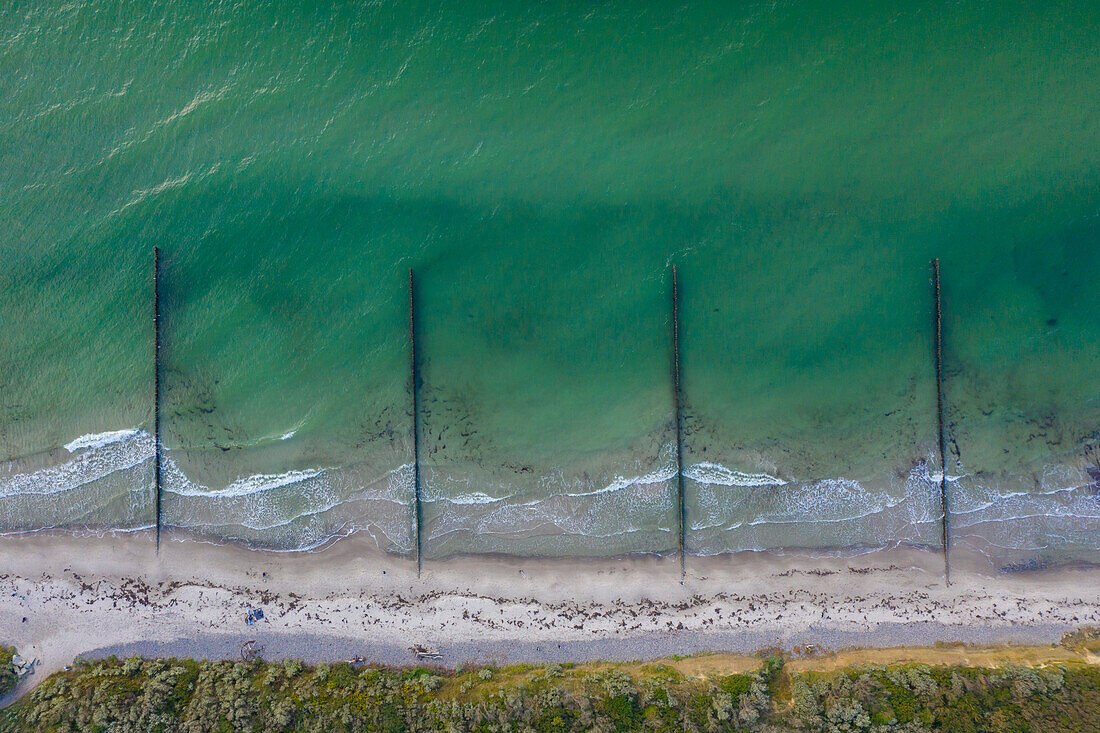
x=98 y=440
x=104 y=482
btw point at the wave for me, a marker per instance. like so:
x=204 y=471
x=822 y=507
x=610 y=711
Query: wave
x=95 y=457
x=559 y=487
x=706 y=472
x=619 y=483
x=299 y=509
x=98 y=440
x=257 y=483
x=106 y=477
x=106 y=484
x=735 y=510
x=477 y=497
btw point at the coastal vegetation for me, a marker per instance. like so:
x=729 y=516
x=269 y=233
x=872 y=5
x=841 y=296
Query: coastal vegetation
x=690 y=694
x=7 y=670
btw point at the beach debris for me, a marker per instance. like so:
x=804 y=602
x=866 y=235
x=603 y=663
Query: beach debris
x=356 y=660
x=250 y=650
x=253 y=615
x=425 y=652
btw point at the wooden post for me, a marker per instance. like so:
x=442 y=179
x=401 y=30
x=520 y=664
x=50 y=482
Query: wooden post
x=415 y=376
x=679 y=421
x=939 y=416
x=156 y=389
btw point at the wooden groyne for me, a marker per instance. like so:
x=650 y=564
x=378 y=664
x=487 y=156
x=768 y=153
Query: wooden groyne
x=679 y=421
x=156 y=388
x=938 y=331
x=414 y=375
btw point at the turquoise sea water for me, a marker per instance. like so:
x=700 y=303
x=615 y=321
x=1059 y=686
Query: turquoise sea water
x=541 y=167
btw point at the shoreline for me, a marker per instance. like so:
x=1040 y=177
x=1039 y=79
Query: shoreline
x=970 y=560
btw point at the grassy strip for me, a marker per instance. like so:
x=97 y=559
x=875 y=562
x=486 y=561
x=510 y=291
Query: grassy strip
x=183 y=694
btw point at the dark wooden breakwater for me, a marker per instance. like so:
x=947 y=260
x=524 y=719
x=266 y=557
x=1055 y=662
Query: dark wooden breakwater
x=679 y=421
x=414 y=375
x=938 y=332
x=677 y=390
x=156 y=388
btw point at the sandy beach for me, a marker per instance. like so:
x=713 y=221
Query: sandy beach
x=63 y=596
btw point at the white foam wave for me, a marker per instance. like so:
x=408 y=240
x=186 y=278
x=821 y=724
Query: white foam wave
x=706 y=472
x=938 y=476
x=259 y=525
x=476 y=497
x=619 y=483
x=257 y=483
x=314 y=504
x=98 y=440
x=96 y=456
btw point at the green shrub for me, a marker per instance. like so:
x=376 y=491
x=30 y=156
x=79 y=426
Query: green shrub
x=184 y=695
x=7 y=672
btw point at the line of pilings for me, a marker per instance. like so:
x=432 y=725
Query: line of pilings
x=938 y=331
x=156 y=388
x=679 y=422
x=677 y=401
x=414 y=376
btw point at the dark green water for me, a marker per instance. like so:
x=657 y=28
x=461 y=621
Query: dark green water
x=541 y=167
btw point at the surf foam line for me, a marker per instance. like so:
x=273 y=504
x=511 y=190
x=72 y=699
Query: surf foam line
x=476 y=497
x=300 y=510
x=715 y=474
x=619 y=483
x=30 y=484
x=307 y=498
x=346 y=530
x=257 y=483
x=260 y=483
x=255 y=502
x=760 y=500
x=534 y=530
x=709 y=474
x=854 y=550
x=95 y=457
x=98 y=440
x=80 y=531
x=566 y=509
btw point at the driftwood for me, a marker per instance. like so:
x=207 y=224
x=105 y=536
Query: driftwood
x=425 y=652
x=250 y=650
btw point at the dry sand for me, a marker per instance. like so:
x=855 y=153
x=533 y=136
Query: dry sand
x=96 y=596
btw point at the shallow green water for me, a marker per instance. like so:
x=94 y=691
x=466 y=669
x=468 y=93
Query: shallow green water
x=541 y=168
